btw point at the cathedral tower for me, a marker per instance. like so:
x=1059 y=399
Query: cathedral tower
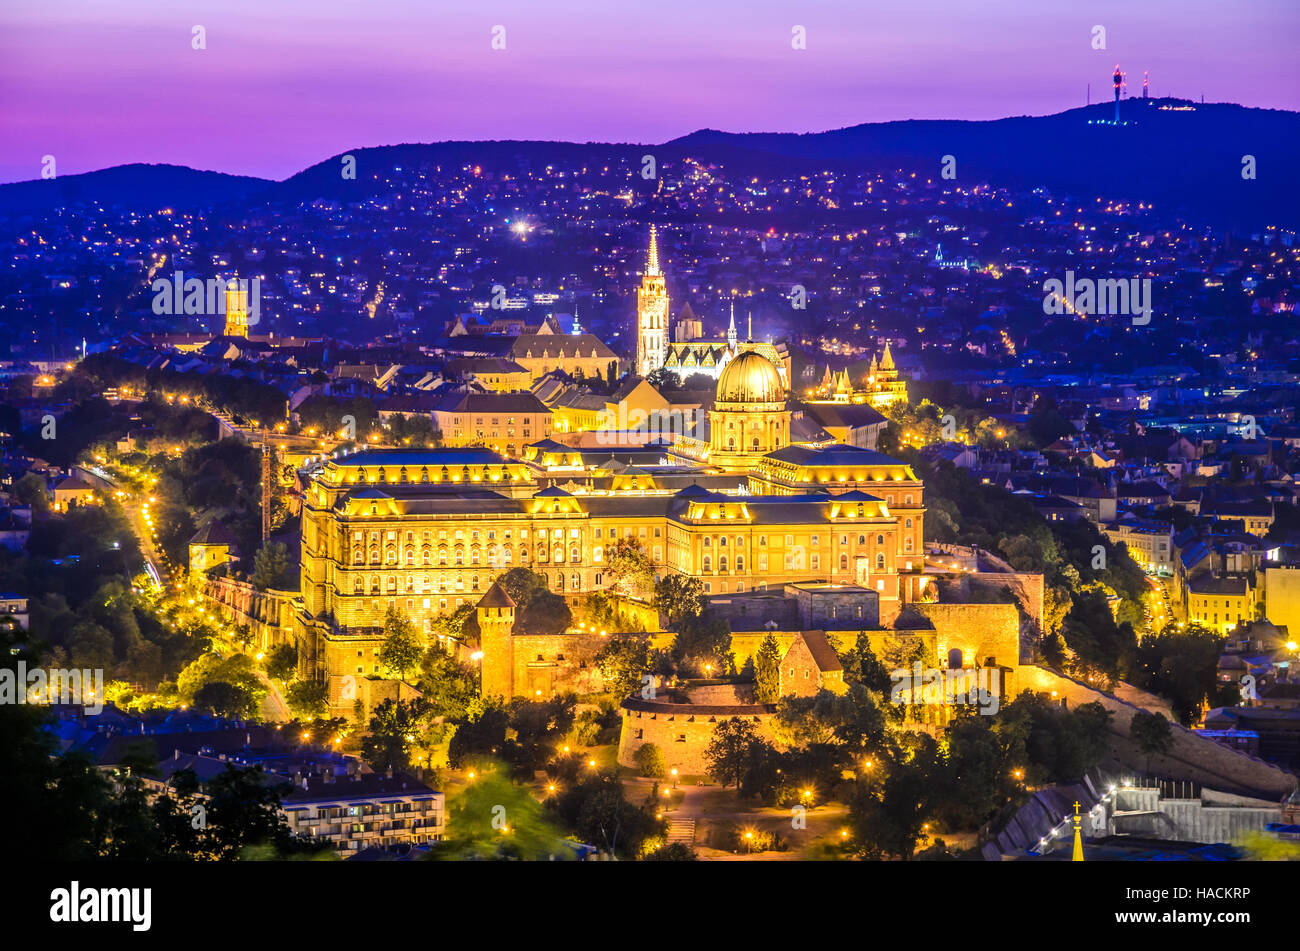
x=236 y=310
x=651 y=313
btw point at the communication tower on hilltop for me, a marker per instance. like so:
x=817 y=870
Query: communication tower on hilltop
x=1119 y=82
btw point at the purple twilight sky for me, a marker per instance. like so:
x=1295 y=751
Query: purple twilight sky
x=282 y=85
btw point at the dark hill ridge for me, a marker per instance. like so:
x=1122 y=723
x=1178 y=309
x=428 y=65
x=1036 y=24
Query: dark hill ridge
x=140 y=186
x=1173 y=152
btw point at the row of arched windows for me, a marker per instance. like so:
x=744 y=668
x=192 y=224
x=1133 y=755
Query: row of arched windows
x=722 y=563
x=442 y=474
x=391 y=584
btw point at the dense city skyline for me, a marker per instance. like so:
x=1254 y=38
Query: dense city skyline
x=275 y=90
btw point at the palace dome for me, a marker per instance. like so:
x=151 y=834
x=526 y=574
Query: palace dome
x=750 y=378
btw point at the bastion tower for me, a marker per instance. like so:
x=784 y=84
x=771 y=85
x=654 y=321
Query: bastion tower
x=496 y=622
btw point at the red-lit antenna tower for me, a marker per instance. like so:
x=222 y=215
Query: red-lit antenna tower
x=1119 y=83
x=1146 y=84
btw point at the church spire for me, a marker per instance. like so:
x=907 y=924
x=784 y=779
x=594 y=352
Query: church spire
x=731 y=330
x=652 y=265
x=887 y=359
x=1077 y=855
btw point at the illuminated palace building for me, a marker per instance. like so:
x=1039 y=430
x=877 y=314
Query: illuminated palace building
x=733 y=502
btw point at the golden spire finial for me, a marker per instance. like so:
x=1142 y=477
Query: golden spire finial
x=1077 y=855
x=652 y=266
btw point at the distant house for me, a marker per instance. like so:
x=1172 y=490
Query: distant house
x=73 y=491
x=14 y=606
x=355 y=810
x=1055 y=508
x=810 y=666
x=212 y=545
x=1135 y=494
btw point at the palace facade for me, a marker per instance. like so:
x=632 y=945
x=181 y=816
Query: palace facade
x=426 y=531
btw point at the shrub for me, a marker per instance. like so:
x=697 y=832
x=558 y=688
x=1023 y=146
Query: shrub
x=650 y=761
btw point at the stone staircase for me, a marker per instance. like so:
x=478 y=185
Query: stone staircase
x=681 y=830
